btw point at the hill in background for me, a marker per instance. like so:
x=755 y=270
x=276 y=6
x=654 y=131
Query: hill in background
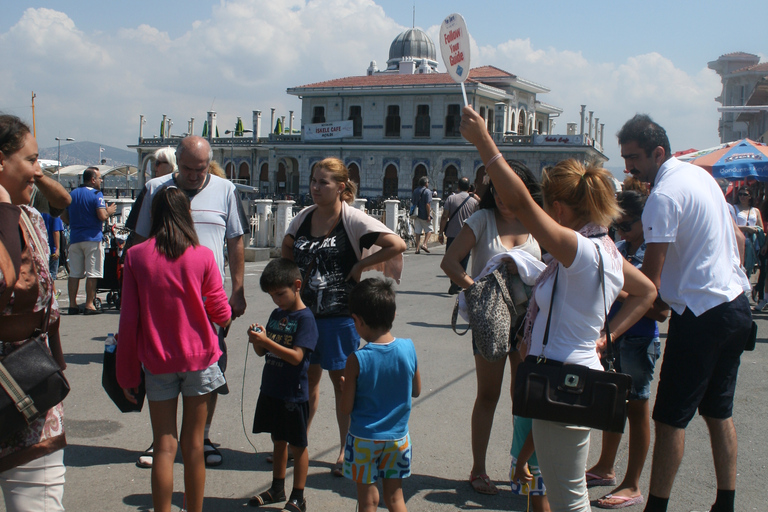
x=87 y=153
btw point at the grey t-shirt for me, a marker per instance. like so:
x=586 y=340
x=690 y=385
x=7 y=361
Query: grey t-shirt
x=216 y=211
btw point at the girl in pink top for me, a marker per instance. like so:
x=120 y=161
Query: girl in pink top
x=172 y=295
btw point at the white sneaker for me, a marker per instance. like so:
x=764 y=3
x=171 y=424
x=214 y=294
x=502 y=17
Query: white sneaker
x=760 y=306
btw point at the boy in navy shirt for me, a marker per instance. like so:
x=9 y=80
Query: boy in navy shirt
x=283 y=405
x=379 y=381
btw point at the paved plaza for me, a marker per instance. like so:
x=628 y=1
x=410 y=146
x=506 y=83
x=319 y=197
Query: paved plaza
x=104 y=444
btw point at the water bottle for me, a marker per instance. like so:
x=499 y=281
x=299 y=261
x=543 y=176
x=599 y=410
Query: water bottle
x=110 y=344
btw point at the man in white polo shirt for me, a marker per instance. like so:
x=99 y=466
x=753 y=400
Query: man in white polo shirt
x=692 y=257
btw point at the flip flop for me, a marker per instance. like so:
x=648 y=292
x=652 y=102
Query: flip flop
x=146 y=458
x=338 y=470
x=213 y=456
x=594 y=480
x=265 y=498
x=485 y=487
x=424 y=248
x=624 y=501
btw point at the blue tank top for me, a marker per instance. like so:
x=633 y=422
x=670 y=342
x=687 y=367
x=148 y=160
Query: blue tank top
x=383 y=392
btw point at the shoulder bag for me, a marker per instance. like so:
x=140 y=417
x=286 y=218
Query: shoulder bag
x=570 y=393
x=32 y=380
x=492 y=314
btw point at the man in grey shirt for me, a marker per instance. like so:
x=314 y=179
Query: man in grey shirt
x=458 y=207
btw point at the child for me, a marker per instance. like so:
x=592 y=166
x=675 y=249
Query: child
x=379 y=381
x=171 y=296
x=524 y=471
x=283 y=406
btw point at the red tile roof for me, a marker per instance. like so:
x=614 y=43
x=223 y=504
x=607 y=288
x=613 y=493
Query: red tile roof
x=763 y=66
x=396 y=79
x=738 y=54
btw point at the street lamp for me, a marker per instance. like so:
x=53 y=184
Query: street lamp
x=232 y=151
x=58 y=158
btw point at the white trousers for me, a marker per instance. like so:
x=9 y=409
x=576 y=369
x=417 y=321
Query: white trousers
x=37 y=486
x=562 y=451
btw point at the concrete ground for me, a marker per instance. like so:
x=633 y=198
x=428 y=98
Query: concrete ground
x=104 y=444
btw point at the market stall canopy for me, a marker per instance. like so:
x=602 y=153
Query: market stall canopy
x=737 y=161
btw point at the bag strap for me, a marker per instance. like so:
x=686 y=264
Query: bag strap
x=33 y=234
x=23 y=402
x=610 y=357
x=457 y=211
x=455 y=317
x=501 y=280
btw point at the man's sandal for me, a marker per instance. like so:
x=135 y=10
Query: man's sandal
x=295 y=505
x=265 y=498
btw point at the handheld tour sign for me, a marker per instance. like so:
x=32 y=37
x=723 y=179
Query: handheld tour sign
x=454 y=47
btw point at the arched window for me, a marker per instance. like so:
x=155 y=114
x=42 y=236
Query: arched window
x=390 y=182
x=512 y=125
x=244 y=173
x=541 y=127
x=354 y=175
x=521 y=123
x=418 y=172
x=264 y=178
x=489 y=124
x=230 y=170
x=451 y=180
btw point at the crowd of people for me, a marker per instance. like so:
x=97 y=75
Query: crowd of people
x=686 y=263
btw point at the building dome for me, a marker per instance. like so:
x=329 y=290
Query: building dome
x=414 y=44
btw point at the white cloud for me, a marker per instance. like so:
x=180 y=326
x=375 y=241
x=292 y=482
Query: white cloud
x=244 y=56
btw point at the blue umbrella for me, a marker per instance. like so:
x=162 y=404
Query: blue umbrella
x=743 y=160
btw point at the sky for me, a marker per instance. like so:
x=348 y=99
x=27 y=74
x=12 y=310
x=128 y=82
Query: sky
x=96 y=66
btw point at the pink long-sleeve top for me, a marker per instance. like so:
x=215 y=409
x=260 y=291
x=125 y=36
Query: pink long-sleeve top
x=168 y=311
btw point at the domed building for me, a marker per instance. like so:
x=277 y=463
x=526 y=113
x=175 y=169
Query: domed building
x=393 y=126
x=413 y=44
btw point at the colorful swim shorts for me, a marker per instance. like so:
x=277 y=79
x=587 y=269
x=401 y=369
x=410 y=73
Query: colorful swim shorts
x=366 y=460
x=533 y=488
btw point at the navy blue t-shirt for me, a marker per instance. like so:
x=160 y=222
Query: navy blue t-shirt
x=280 y=379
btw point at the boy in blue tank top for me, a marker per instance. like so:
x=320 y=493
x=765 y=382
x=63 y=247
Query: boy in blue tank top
x=283 y=406
x=379 y=381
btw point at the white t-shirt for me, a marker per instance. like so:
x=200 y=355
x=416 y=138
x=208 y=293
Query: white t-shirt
x=216 y=211
x=747 y=217
x=579 y=310
x=488 y=243
x=686 y=209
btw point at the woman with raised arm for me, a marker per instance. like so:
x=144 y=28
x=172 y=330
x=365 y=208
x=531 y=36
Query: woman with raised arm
x=579 y=205
x=333 y=243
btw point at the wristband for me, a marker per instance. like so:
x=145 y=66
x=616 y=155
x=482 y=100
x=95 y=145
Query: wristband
x=492 y=160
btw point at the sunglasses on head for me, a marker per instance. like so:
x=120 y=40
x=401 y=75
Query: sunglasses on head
x=625 y=226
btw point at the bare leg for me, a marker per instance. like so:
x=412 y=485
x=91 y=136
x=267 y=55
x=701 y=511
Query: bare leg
x=418 y=249
x=163 y=417
x=393 y=494
x=604 y=467
x=367 y=497
x=638 y=414
x=667 y=455
x=90 y=292
x=489 y=379
x=722 y=435
x=72 y=286
x=315 y=373
x=195 y=410
x=341 y=418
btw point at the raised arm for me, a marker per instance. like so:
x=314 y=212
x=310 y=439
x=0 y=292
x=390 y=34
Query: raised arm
x=559 y=241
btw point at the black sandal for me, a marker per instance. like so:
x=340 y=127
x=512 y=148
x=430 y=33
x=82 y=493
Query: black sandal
x=212 y=456
x=265 y=498
x=146 y=459
x=295 y=505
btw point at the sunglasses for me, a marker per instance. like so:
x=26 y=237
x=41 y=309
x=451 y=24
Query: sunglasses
x=625 y=226
x=743 y=194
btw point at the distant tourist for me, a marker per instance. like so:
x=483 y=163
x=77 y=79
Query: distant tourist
x=458 y=207
x=422 y=200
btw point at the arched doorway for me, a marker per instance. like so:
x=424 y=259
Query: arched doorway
x=229 y=170
x=244 y=174
x=479 y=177
x=354 y=175
x=521 y=123
x=451 y=180
x=264 y=178
x=281 y=178
x=390 y=182
x=418 y=172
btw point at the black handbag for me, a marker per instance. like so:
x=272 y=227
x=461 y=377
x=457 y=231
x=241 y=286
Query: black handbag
x=113 y=389
x=571 y=393
x=31 y=378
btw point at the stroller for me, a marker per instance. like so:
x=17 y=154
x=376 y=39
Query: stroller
x=112 y=278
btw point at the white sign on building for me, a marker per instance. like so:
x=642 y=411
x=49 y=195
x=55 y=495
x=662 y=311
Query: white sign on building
x=335 y=130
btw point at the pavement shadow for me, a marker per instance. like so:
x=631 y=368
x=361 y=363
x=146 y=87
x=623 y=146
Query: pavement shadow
x=460 y=494
x=83 y=456
x=427 y=324
x=84 y=358
x=143 y=502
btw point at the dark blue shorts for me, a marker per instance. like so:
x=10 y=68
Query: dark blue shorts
x=701 y=363
x=636 y=356
x=286 y=421
x=337 y=339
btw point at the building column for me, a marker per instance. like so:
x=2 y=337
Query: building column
x=263 y=208
x=360 y=204
x=284 y=216
x=391 y=207
x=435 y=217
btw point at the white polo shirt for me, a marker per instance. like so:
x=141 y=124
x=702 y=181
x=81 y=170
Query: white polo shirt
x=687 y=210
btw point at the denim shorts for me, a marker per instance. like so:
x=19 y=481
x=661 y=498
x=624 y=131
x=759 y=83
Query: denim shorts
x=167 y=386
x=337 y=339
x=636 y=356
